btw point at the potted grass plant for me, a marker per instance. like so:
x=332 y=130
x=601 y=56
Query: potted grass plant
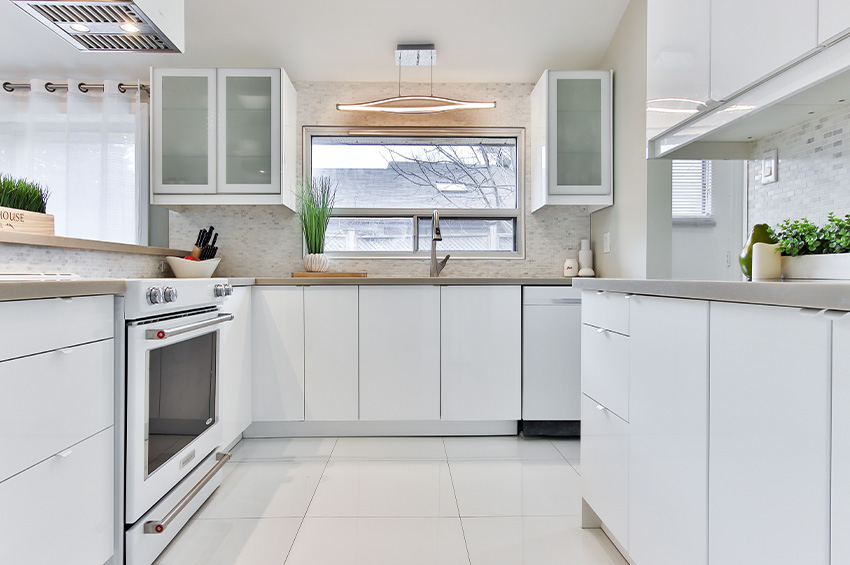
x=810 y=251
x=22 y=206
x=315 y=203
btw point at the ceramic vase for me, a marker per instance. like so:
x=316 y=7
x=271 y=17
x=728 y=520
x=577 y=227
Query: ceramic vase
x=767 y=262
x=760 y=234
x=585 y=259
x=570 y=268
x=316 y=262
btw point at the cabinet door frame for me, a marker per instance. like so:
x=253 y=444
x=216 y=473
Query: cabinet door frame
x=157 y=186
x=221 y=156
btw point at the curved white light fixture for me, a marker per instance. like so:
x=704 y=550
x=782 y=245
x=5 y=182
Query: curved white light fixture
x=415 y=105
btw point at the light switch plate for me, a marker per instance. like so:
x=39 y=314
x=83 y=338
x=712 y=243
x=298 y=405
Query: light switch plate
x=769 y=166
x=606 y=242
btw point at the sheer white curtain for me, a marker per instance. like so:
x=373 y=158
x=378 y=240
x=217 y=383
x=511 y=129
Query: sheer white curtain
x=87 y=148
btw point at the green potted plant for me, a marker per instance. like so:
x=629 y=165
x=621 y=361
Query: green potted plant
x=810 y=251
x=22 y=206
x=315 y=199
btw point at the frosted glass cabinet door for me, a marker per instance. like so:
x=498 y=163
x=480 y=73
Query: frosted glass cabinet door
x=579 y=132
x=249 y=148
x=184 y=131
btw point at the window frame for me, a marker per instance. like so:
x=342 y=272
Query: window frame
x=415 y=214
x=706 y=220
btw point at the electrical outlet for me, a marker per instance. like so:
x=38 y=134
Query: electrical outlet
x=606 y=242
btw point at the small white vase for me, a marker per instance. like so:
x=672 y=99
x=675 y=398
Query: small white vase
x=767 y=263
x=570 y=268
x=585 y=259
x=316 y=262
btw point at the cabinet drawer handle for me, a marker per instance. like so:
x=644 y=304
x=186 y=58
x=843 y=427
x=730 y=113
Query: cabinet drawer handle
x=600 y=292
x=65 y=454
x=600 y=407
x=601 y=330
x=66 y=350
x=627 y=296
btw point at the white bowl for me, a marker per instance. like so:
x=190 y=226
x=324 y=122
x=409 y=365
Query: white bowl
x=187 y=269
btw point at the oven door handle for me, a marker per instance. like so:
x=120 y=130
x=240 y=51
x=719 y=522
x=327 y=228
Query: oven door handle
x=159 y=526
x=165 y=334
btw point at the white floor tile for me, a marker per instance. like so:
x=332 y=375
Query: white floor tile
x=389 y=448
x=232 y=542
x=269 y=489
x=569 y=448
x=283 y=449
x=500 y=448
x=379 y=541
x=384 y=488
x=516 y=488
x=537 y=541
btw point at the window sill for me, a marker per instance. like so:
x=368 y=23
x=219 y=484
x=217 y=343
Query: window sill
x=85 y=244
x=695 y=222
x=456 y=255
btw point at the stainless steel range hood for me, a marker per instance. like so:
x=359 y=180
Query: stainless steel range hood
x=141 y=26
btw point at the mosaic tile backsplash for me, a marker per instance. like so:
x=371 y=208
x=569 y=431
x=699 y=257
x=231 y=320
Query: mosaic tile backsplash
x=266 y=240
x=813 y=174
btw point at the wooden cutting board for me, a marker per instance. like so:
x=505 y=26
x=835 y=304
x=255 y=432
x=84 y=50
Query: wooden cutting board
x=327 y=274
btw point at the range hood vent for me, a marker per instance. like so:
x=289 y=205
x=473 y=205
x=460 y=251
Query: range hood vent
x=113 y=25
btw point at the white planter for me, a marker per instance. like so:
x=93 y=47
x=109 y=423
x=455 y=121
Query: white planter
x=825 y=267
x=316 y=262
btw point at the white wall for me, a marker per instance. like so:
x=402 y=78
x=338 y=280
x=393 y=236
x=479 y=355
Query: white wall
x=627 y=220
x=702 y=252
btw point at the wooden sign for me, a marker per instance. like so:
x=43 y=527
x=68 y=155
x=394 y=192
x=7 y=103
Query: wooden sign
x=21 y=221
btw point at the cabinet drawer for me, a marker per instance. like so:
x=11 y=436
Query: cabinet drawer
x=53 y=400
x=605 y=368
x=603 y=309
x=34 y=326
x=61 y=510
x=605 y=467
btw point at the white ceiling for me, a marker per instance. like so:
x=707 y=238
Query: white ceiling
x=342 y=40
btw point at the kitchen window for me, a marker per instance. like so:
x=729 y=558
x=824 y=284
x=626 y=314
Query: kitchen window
x=390 y=180
x=692 y=192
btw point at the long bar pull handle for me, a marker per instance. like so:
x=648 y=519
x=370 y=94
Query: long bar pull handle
x=159 y=526
x=165 y=334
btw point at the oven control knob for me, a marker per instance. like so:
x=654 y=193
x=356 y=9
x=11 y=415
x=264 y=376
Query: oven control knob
x=219 y=290
x=155 y=295
x=228 y=290
x=169 y=294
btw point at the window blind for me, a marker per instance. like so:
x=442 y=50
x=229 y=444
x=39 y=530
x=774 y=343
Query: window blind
x=691 y=189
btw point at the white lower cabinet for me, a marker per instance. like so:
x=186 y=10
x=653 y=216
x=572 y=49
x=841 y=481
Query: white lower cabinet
x=605 y=368
x=605 y=467
x=277 y=333
x=668 y=427
x=840 y=522
x=481 y=352
x=236 y=367
x=61 y=510
x=331 y=353
x=399 y=352
x=769 y=448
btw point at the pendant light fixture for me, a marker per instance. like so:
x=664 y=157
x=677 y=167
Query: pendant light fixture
x=416 y=56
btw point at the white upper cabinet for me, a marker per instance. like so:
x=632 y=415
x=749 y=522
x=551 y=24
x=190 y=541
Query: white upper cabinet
x=678 y=62
x=222 y=136
x=752 y=40
x=833 y=19
x=572 y=137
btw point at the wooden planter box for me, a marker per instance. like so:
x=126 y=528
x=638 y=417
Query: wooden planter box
x=823 y=267
x=21 y=221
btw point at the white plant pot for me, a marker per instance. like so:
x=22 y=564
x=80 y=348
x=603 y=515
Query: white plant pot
x=316 y=262
x=825 y=267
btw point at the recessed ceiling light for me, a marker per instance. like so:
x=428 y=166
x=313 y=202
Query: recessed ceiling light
x=129 y=27
x=80 y=28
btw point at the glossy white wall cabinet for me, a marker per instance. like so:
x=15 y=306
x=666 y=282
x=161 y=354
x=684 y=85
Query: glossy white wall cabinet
x=571 y=123
x=236 y=366
x=752 y=40
x=668 y=431
x=833 y=19
x=551 y=353
x=840 y=523
x=331 y=385
x=277 y=333
x=481 y=352
x=222 y=136
x=769 y=435
x=678 y=62
x=400 y=353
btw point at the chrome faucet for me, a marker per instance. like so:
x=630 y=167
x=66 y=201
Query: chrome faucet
x=436 y=266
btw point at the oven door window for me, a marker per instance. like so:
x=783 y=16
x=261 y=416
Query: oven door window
x=181 y=397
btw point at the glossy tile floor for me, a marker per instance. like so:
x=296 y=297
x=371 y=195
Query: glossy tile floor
x=410 y=501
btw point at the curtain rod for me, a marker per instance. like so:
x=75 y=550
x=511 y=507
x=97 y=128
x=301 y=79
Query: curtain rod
x=84 y=87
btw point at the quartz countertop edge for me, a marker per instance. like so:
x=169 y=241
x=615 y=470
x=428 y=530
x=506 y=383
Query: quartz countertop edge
x=30 y=290
x=820 y=295
x=439 y=281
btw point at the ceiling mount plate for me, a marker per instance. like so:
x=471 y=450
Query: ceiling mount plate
x=415 y=55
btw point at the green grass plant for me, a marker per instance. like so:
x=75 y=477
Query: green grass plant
x=315 y=204
x=22 y=194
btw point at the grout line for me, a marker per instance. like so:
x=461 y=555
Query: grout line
x=559 y=451
x=454 y=492
x=304 y=517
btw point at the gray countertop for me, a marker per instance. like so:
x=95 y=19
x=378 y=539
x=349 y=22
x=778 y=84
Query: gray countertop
x=27 y=290
x=830 y=295
x=440 y=281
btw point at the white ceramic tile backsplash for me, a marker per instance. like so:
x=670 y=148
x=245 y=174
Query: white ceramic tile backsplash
x=814 y=172
x=266 y=240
